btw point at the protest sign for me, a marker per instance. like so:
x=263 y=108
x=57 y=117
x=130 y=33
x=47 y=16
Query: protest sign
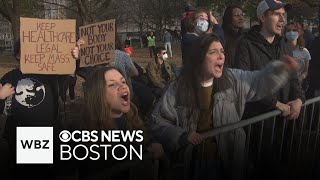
x=99 y=43
x=46 y=46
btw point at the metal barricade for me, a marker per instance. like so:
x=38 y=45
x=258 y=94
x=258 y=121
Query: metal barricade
x=292 y=146
x=294 y=143
x=128 y=166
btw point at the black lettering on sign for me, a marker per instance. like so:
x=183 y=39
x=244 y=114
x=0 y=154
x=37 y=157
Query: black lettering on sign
x=97 y=58
x=46 y=66
x=47 y=48
x=86 y=51
x=103 y=28
x=34 y=58
x=87 y=31
x=94 y=39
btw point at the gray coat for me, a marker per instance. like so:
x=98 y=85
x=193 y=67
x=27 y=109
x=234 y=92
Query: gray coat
x=166 y=37
x=170 y=120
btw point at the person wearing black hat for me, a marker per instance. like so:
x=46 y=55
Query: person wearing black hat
x=188 y=13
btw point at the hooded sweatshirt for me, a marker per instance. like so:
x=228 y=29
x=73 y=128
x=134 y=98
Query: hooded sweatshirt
x=253 y=53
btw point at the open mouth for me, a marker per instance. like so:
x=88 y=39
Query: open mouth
x=279 y=26
x=125 y=98
x=220 y=66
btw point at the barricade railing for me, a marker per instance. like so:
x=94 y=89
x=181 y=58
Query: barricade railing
x=126 y=166
x=294 y=141
x=291 y=142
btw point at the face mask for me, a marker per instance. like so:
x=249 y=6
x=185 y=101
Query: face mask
x=292 y=35
x=202 y=26
x=165 y=57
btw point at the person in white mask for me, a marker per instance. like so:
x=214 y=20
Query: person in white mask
x=295 y=40
x=202 y=23
x=160 y=71
x=199 y=23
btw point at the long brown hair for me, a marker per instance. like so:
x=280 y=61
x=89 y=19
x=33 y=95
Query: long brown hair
x=97 y=112
x=227 y=19
x=189 y=81
x=192 y=72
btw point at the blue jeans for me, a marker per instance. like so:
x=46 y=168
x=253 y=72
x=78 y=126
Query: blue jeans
x=167 y=45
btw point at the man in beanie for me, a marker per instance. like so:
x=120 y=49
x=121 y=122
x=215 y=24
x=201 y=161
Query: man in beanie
x=189 y=9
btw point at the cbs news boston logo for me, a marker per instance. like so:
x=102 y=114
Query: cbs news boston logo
x=34 y=145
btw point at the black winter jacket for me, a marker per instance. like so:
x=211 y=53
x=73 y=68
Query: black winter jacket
x=253 y=53
x=314 y=67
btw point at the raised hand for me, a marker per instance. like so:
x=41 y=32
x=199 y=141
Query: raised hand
x=290 y=63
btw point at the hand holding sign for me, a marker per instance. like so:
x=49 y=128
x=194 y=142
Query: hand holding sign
x=80 y=42
x=75 y=51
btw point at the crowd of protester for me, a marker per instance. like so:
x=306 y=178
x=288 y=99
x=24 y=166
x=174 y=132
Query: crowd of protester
x=227 y=75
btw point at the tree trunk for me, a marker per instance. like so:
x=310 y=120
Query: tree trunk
x=141 y=34
x=12 y=13
x=15 y=24
x=319 y=14
x=83 y=12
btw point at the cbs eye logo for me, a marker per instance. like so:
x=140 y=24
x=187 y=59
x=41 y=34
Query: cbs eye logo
x=65 y=136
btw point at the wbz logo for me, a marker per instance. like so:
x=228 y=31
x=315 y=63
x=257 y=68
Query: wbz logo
x=34 y=145
x=37 y=144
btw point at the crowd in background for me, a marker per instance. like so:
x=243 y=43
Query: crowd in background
x=227 y=75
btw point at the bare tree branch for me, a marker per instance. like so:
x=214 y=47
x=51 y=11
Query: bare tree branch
x=106 y=3
x=84 y=6
x=80 y=6
x=7 y=9
x=16 y=6
x=311 y=3
x=70 y=8
x=4 y=12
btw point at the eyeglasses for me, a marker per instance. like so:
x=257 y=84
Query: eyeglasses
x=239 y=14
